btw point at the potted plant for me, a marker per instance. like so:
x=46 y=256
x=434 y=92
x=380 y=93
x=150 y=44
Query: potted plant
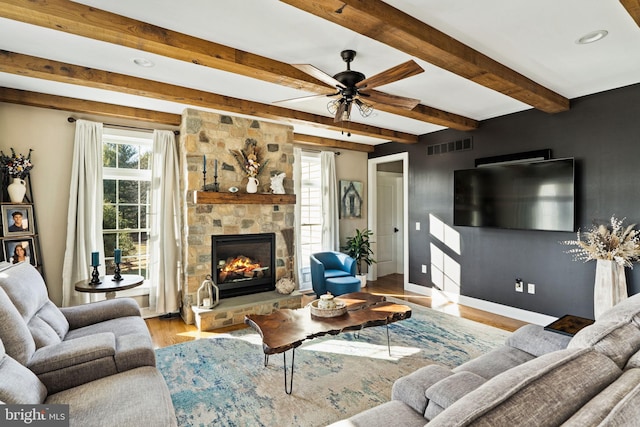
x=358 y=247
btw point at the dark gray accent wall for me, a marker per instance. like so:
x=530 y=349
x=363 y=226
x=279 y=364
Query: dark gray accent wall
x=602 y=133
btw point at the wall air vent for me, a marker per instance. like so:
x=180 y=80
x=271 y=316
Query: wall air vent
x=449 y=147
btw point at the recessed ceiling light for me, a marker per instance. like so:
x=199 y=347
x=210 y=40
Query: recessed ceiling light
x=143 y=62
x=592 y=37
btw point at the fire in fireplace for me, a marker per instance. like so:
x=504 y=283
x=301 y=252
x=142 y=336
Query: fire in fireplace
x=243 y=264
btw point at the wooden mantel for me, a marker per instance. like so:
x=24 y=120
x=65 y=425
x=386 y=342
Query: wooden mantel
x=212 y=197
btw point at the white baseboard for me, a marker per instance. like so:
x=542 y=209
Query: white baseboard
x=491 y=307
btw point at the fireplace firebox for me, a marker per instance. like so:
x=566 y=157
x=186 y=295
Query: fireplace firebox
x=243 y=264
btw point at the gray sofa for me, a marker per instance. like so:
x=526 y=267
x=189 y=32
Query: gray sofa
x=97 y=358
x=538 y=377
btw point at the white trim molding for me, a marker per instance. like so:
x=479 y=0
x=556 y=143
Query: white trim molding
x=491 y=307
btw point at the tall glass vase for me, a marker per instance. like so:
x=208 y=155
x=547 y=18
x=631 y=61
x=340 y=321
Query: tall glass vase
x=610 y=286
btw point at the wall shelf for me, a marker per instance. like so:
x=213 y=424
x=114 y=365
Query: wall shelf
x=212 y=197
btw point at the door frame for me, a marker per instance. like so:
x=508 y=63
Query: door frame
x=372 y=214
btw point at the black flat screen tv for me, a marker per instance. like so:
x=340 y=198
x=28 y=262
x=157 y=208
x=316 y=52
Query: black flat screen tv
x=527 y=196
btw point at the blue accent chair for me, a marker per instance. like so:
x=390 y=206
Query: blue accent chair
x=333 y=265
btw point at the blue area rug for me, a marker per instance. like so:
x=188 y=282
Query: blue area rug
x=222 y=381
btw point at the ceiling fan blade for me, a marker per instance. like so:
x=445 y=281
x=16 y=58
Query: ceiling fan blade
x=305 y=98
x=393 y=100
x=393 y=74
x=318 y=74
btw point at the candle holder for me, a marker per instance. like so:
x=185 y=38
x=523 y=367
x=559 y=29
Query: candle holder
x=116 y=274
x=216 y=186
x=204 y=180
x=95 y=276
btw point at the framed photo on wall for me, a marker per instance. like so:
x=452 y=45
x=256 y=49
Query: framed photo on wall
x=17 y=220
x=351 y=199
x=20 y=250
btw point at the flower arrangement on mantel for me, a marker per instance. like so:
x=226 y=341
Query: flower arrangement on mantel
x=16 y=165
x=249 y=158
x=618 y=243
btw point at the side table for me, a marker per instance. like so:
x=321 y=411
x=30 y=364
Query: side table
x=110 y=286
x=568 y=324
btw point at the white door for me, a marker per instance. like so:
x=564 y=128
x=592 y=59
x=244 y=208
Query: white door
x=389 y=223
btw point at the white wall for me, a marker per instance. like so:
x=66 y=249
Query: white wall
x=49 y=134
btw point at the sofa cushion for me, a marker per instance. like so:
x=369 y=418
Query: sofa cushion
x=550 y=388
x=634 y=361
x=138 y=397
x=393 y=413
x=495 y=362
x=444 y=393
x=28 y=293
x=616 y=405
x=14 y=333
x=18 y=385
x=536 y=341
x=410 y=388
x=617 y=340
x=626 y=311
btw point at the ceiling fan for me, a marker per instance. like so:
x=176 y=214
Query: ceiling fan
x=353 y=87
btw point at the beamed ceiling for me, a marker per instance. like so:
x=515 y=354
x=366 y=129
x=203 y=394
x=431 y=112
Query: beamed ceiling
x=480 y=59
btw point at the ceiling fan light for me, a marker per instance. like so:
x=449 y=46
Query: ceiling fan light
x=365 y=109
x=332 y=106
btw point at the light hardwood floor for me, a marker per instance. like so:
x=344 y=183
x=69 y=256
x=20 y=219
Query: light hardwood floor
x=165 y=332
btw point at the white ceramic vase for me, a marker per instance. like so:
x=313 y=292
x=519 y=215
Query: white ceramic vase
x=610 y=286
x=252 y=185
x=17 y=189
x=363 y=280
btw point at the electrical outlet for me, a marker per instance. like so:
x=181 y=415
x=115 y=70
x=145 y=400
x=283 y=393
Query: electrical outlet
x=519 y=285
x=531 y=288
x=417 y=226
x=424 y=268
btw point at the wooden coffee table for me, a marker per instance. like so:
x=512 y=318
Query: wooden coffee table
x=286 y=329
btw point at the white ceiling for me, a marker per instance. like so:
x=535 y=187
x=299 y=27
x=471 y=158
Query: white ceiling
x=534 y=38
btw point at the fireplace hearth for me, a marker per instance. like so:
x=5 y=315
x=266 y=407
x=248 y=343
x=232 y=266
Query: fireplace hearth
x=243 y=264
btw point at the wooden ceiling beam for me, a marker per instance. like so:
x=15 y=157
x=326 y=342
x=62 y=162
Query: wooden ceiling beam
x=55 y=102
x=633 y=8
x=388 y=25
x=29 y=66
x=63 y=103
x=78 y=19
x=331 y=143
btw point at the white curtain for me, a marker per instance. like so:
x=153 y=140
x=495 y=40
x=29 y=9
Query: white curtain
x=164 y=217
x=84 y=218
x=297 y=189
x=330 y=231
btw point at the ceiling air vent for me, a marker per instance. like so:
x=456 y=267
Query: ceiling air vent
x=448 y=147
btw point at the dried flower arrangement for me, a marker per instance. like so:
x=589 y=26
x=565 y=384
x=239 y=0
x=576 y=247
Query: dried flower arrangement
x=619 y=244
x=16 y=165
x=249 y=158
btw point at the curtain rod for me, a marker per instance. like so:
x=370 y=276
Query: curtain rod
x=73 y=119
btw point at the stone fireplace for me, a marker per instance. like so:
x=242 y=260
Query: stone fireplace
x=208 y=214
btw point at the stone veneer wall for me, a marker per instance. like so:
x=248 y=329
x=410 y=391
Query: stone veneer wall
x=205 y=133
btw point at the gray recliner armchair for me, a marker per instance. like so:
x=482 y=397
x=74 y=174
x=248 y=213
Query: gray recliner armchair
x=67 y=347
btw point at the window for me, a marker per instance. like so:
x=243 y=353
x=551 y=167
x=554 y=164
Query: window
x=127 y=184
x=311 y=213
